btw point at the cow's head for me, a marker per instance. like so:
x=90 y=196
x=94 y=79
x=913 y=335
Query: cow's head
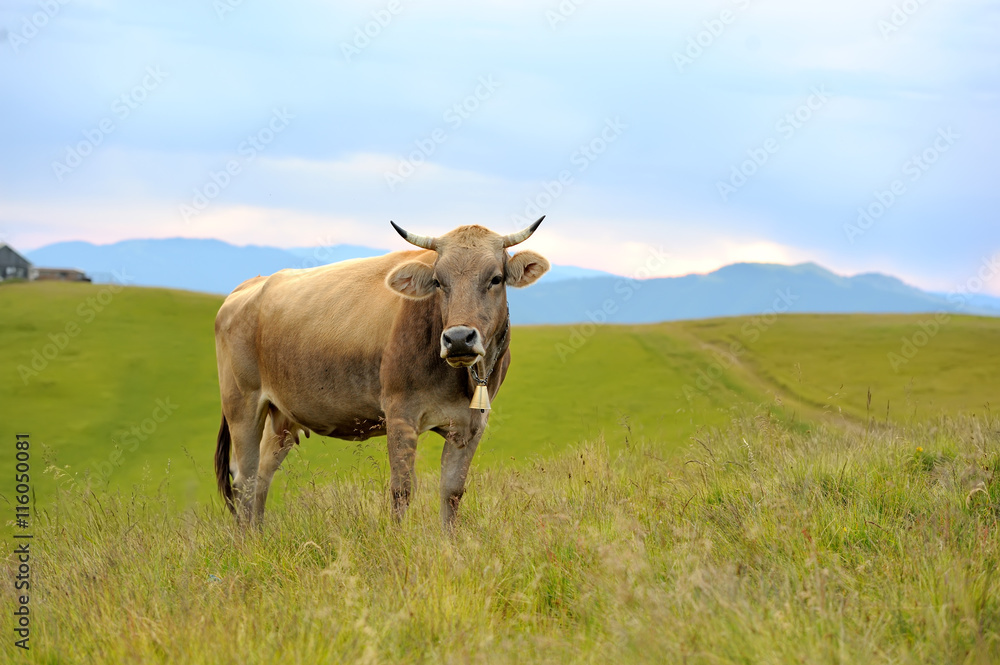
x=468 y=279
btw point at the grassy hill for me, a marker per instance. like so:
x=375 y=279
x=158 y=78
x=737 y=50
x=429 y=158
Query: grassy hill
x=83 y=365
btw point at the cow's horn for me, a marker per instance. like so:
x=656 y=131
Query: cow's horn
x=514 y=238
x=427 y=242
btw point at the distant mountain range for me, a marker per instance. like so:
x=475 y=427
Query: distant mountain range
x=734 y=290
x=567 y=294
x=212 y=266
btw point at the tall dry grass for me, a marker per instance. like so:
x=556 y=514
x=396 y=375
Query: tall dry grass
x=761 y=543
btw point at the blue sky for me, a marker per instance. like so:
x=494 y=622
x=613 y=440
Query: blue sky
x=714 y=132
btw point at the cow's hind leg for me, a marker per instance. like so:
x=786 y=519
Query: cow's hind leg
x=245 y=425
x=280 y=434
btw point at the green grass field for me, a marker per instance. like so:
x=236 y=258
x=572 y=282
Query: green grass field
x=732 y=490
x=659 y=383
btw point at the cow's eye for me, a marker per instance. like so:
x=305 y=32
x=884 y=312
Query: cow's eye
x=437 y=284
x=496 y=280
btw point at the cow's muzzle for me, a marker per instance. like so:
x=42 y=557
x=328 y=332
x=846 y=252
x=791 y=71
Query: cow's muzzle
x=462 y=346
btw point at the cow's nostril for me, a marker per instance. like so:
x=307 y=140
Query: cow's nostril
x=460 y=340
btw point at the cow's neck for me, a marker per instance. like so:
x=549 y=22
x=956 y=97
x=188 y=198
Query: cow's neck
x=499 y=342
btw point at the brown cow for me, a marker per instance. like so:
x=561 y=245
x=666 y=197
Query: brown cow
x=392 y=345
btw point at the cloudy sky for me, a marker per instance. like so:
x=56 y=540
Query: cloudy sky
x=862 y=134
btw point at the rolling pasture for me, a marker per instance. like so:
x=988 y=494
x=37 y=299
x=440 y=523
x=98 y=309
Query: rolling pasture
x=794 y=489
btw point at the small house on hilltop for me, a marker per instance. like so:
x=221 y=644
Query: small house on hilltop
x=12 y=264
x=15 y=266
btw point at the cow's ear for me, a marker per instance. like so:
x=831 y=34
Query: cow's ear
x=525 y=268
x=412 y=279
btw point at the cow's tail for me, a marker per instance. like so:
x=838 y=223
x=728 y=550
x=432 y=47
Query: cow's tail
x=222 y=447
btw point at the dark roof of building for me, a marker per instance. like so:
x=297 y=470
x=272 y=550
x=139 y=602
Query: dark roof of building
x=11 y=253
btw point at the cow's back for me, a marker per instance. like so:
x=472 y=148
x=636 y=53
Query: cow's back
x=310 y=341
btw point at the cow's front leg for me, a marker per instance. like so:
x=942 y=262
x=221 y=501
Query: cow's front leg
x=456 y=457
x=402 y=437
